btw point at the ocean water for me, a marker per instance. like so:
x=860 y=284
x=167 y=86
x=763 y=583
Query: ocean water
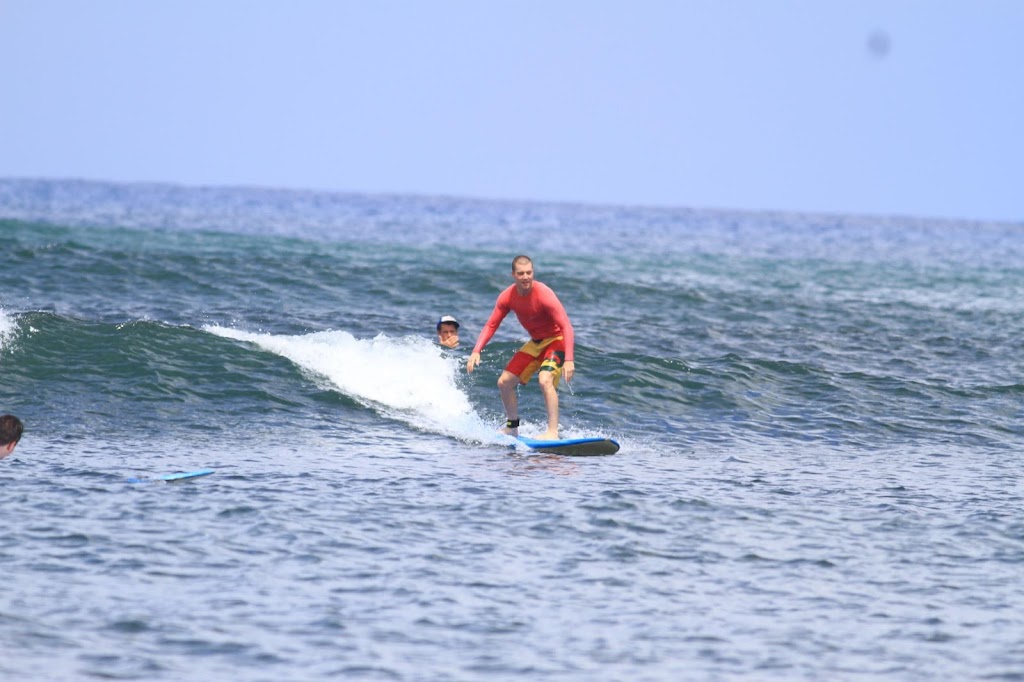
x=820 y=420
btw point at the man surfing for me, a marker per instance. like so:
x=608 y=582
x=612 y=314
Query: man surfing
x=549 y=351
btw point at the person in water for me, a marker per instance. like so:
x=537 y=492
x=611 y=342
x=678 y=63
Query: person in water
x=549 y=351
x=11 y=429
x=448 y=331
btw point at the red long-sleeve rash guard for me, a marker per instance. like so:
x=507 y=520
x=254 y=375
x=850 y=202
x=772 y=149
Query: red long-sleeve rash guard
x=540 y=312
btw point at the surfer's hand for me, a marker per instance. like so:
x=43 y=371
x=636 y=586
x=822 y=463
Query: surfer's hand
x=568 y=369
x=450 y=342
x=474 y=360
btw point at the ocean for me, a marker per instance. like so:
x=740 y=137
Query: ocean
x=820 y=419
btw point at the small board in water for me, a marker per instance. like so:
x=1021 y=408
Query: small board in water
x=579 y=447
x=170 y=478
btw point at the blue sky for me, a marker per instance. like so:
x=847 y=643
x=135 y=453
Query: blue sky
x=907 y=107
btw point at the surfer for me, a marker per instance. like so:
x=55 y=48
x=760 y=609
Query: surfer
x=448 y=331
x=11 y=429
x=549 y=351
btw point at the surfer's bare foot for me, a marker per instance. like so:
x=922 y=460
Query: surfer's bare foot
x=548 y=435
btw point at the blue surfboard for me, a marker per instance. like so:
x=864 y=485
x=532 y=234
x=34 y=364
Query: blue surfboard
x=170 y=478
x=580 y=447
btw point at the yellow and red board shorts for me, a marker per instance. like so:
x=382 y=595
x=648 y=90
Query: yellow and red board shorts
x=546 y=355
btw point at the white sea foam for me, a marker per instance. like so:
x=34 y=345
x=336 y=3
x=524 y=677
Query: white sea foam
x=7 y=328
x=408 y=378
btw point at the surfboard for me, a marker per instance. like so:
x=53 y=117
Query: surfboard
x=580 y=447
x=169 y=478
